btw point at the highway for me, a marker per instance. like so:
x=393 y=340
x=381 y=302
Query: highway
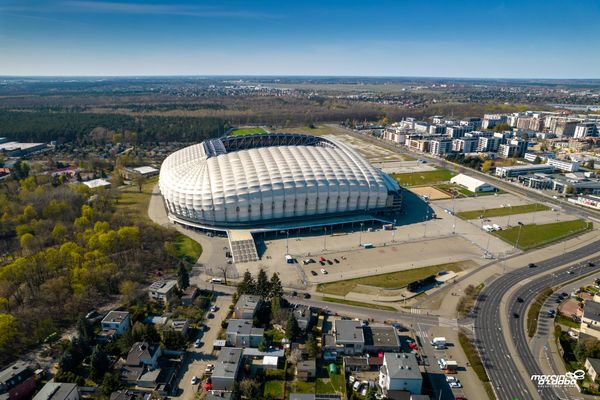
x=492 y=344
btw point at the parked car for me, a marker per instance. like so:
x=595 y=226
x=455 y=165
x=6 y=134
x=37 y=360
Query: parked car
x=454 y=385
x=313 y=273
x=294 y=293
x=323 y=271
x=451 y=379
x=213 y=308
x=306 y=295
x=519 y=300
x=532 y=265
x=322 y=263
x=356 y=386
x=591 y=264
x=335 y=260
x=194 y=380
x=197 y=343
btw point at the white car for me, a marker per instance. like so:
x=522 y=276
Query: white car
x=213 y=309
x=197 y=343
x=451 y=379
x=194 y=380
x=351 y=379
x=356 y=386
x=323 y=271
x=455 y=385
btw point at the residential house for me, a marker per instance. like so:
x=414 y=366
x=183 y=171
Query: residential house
x=590 y=320
x=306 y=369
x=400 y=371
x=309 y=396
x=226 y=368
x=117 y=322
x=141 y=358
x=179 y=325
x=592 y=366
x=246 y=306
x=262 y=360
x=241 y=333
x=218 y=395
x=349 y=336
x=304 y=316
x=16 y=381
x=362 y=363
x=189 y=295
x=58 y=391
x=163 y=291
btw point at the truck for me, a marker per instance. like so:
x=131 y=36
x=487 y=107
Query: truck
x=438 y=341
x=450 y=367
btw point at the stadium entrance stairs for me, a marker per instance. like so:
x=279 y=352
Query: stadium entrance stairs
x=241 y=243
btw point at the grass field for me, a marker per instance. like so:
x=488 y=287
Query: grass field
x=503 y=211
x=562 y=320
x=537 y=235
x=423 y=178
x=318 y=130
x=246 y=131
x=274 y=389
x=303 y=387
x=134 y=203
x=359 y=304
x=451 y=188
x=391 y=280
x=188 y=249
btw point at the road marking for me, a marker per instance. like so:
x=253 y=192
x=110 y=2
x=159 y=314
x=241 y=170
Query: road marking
x=415 y=311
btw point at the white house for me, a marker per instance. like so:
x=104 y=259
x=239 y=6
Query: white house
x=117 y=321
x=400 y=371
x=473 y=184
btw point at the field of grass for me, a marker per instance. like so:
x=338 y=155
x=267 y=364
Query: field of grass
x=246 y=131
x=537 y=235
x=424 y=178
x=274 y=389
x=451 y=188
x=390 y=280
x=359 y=304
x=318 y=130
x=503 y=211
x=330 y=383
x=303 y=387
x=188 y=249
x=135 y=203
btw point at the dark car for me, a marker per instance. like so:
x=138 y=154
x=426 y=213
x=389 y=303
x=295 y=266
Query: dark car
x=313 y=273
x=591 y=264
x=563 y=294
x=322 y=262
x=210 y=315
x=306 y=295
x=559 y=300
x=515 y=315
x=329 y=262
x=519 y=300
x=532 y=265
x=335 y=260
x=294 y=293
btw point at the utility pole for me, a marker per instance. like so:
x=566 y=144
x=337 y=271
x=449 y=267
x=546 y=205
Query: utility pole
x=360 y=235
x=518 y=235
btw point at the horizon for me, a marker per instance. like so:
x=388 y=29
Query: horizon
x=94 y=38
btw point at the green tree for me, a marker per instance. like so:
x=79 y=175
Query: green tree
x=85 y=329
x=311 y=345
x=537 y=160
x=371 y=392
x=276 y=289
x=292 y=330
x=99 y=362
x=262 y=284
x=487 y=164
x=183 y=278
x=249 y=389
x=110 y=384
x=9 y=329
x=247 y=286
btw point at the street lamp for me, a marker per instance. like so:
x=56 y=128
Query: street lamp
x=360 y=234
x=287 y=238
x=508 y=223
x=518 y=234
x=325 y=239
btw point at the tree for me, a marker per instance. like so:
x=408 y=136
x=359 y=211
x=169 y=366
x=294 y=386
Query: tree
x=183 y=278
x=247 y=286
x=537 y=160
x=262 y=284
x=110 y=384
x=9 y=328
x=139 y=180
x=292 y=330
x=295 y=357
x=249 y=389
x=85 y=329
x=371 y=392
x=487 y=164
x=99 y=362
x=276 y=289
x=501 y=127
x=311 y=345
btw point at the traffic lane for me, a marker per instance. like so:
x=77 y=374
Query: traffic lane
x=436 y=376
x=196 y=358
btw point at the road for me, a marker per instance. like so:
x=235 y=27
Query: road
x=492 y=340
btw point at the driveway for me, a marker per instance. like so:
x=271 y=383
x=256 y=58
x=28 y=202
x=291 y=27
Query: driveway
x=196 y=359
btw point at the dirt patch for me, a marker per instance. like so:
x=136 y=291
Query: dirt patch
x=431 y=192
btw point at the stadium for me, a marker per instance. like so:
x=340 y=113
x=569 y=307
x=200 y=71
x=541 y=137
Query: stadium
x=276 y=180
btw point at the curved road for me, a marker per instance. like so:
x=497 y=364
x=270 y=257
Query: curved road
x=492 y=340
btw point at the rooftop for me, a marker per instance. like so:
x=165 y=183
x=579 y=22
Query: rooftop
x=595 y=362
x=348 y=331
x=116 y=316
x=591 y=310
x=381 y=336
x=55 y=391
x=13 y=370
x=163 y=286
x=402 y=366
x=141 y=350
x=228 y=362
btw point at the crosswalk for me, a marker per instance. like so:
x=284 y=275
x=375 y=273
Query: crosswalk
x=415 y=311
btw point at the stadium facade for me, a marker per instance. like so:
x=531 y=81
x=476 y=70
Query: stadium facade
x=277 y=178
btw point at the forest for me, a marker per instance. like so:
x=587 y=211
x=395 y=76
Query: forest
x=65 y=252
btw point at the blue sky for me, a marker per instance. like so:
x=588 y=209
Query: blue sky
x=521 y=39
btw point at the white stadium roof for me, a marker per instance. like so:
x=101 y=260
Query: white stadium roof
x=225 y=182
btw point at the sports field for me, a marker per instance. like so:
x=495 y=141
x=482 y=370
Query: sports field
x=503 y=211
x=246 y=131
x=431 y=192
x=424 y=177
x=535 y=235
